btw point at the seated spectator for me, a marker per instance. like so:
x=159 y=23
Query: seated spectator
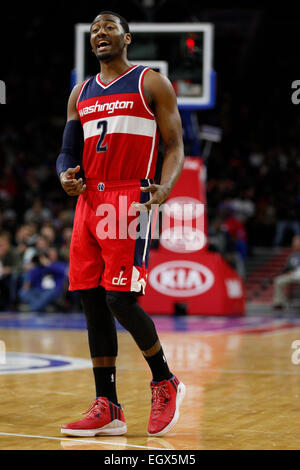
x=37 y=213
x=41 y=245
x=8 y=181
x=25 y=239
x=235 y=228
x=64 y=251
x=291 y=274
x=26 y=235
x=28 y=247
x=48 y=232
x=243 y=205
x=44 y=284
x=217 y=237
x=10 y=264
x=65 y=218
x=221 y=241
x=287 y=216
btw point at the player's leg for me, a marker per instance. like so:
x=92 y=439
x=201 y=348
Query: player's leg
x=105 y=416
x=102 y=337
x=125 y=273
x=167 y=391
x=134 y=319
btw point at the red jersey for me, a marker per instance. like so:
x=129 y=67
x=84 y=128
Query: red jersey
x=120 y=132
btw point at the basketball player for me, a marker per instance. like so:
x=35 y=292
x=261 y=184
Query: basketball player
x=122 y=110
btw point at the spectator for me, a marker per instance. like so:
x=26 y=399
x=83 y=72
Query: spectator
x=41 y=245
x=235 y=228
x=66 y=242
x=287 y=217
x=10 y=265
x=221 y=241
x=8 y=182
x=65 y=218
x=45 y=283
x=290 y=275
x=37 y=213
x=25 y=239
x=243 y=205
x=217 y=237
x=236 y=238
x=48 y=232
x=256 y=157
x=33 y=233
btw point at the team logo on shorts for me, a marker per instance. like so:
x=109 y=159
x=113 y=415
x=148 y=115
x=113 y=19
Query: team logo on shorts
x=101 y=186
x=120 y=280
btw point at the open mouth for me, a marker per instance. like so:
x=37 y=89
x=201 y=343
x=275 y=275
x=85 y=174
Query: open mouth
x=103 y=45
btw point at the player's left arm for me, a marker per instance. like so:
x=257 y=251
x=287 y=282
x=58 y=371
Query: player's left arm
x=162 y=99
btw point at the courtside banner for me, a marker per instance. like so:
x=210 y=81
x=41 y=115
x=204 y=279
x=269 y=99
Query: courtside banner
x=182 y=270
x=202 y=280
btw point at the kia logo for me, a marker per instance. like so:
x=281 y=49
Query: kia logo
x=181 y=278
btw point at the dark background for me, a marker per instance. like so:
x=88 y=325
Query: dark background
x=256 y=57
x=256 y=51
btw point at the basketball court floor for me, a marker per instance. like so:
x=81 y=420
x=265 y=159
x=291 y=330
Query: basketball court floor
x=242 y=377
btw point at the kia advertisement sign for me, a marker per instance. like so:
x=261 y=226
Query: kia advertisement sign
x=182 y=270
x=202 y=281
x=181 y=278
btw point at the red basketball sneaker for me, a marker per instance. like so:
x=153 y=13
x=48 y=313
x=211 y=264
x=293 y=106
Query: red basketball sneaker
x=166 y=400
x=104 y=418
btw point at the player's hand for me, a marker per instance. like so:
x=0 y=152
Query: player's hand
x=158 y=194
x=70 y=184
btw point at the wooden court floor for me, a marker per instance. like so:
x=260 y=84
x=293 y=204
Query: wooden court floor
x=243 y=389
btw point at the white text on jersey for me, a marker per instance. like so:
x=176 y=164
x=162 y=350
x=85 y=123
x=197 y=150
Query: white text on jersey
x=109 y=107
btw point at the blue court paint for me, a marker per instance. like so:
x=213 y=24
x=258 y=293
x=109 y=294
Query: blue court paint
x=189 y=323
x=30 y=363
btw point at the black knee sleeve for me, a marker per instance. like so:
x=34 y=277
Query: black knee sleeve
x=133 y=318
x=102 y=334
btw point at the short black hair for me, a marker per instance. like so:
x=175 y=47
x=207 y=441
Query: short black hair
x=123 y=22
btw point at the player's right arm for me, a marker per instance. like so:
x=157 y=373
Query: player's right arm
x=67 y=162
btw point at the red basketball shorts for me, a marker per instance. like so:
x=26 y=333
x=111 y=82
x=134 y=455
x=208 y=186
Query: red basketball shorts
x=110 y=241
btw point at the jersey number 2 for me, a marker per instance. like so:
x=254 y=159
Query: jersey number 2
x=102 y=125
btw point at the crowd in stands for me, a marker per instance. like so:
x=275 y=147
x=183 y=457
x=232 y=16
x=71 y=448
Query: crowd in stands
x=253 y=200
x=253 y=195
x=253 y=179
x=36 y=216
x=36 y=219
x=34 y=265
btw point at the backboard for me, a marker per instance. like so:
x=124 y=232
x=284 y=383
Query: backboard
x=181 y=51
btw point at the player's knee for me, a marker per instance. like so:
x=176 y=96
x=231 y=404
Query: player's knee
x=119 y=302
x=93 y=301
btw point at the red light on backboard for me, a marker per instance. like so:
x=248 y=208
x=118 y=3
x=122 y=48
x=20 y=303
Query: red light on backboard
x=190 y=44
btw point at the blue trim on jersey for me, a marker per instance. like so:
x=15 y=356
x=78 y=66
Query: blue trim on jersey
x=140 y=242
x=129 y=83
